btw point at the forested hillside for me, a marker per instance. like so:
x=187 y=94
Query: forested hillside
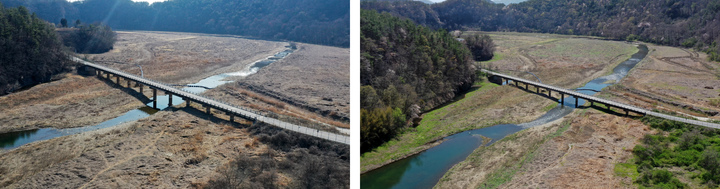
x=405 y=69
x=688 y=23
x=311 y=21
x=31 y=51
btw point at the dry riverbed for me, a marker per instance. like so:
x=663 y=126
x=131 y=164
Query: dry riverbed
x=558 y=60
x=175 y=148
x=583 y=150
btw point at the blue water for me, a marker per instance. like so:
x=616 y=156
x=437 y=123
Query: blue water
x=425 y=169
x=421 y=170
x=13 y=140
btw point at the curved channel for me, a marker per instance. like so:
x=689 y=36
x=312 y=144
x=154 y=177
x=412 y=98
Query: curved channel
x=425 y=169
x=12 y=140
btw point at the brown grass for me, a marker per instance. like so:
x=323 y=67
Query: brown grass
x=264 y=99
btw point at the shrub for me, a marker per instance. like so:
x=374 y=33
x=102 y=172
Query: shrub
x=660 y=178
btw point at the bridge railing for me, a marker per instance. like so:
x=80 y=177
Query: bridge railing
x=228 y=107
x=609 y=102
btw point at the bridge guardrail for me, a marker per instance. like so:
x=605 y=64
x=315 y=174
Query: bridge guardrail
x=608 y=102
x=222 y=105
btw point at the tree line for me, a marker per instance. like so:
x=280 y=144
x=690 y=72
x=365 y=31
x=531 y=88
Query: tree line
x=686 y=23
x=31 y=50
x=92 y=38
x=311 y=21
x=406 y=69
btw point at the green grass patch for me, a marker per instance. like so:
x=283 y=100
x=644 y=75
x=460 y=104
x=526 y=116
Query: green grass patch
x=497 y=56
x=627 y=170
x=549 y=107
x=432 y=127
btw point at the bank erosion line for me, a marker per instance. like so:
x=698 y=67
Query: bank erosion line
x=206 y=102
x=498 y=77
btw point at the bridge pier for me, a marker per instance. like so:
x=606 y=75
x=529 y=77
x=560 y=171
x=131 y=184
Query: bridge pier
x=141 y=88
x=128 y=84
x=207 y=109
x=576 y=101
x=537 y=89
x=154 y=98
x=232 y=117
x=117 y=80
x=169 y=99
x=562 y=99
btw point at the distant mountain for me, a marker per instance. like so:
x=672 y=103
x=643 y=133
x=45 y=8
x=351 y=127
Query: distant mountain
x=311 y=21
x=687 y=23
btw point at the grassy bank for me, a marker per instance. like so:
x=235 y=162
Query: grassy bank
x=487 y=104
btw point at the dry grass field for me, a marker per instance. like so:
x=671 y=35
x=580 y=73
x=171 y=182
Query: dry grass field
x=314 y=77
x=491 y=104
x=176 y=148
x=582 y=150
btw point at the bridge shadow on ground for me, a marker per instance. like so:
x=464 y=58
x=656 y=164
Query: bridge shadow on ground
x=131 y=91
x=280 y=138
x=215 y=117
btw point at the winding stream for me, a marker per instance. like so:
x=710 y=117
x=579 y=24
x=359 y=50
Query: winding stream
x=13 y=140
x=425 y=169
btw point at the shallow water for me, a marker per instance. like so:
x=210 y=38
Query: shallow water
x=13 y=140
x=425 y=169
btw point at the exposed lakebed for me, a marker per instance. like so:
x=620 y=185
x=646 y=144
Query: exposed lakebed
x=14 y=140
x=425 y=169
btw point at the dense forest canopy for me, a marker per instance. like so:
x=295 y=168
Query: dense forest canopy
x=688 y=23
x=312 y=21
x=405 y=69
x=31 y=51
x=89 y=38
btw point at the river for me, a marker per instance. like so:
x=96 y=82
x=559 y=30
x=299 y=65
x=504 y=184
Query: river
x=425 y=169
x=12 y=140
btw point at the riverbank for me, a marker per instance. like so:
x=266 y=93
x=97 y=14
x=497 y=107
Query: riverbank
x=560 y=61
x=76 y=101
x=174 y=148
x=590 y=152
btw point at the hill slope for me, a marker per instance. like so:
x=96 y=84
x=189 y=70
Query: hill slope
x=687 y=23
x=311 y=21
x=405 y=69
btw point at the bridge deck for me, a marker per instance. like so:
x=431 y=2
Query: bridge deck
x=221 y=106
x=606 y=102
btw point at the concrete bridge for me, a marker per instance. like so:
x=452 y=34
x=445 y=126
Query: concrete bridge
x=519 y=82
x=207 y=103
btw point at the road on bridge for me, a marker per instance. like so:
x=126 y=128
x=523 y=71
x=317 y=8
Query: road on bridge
x=604 y=101
x=230 y=109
